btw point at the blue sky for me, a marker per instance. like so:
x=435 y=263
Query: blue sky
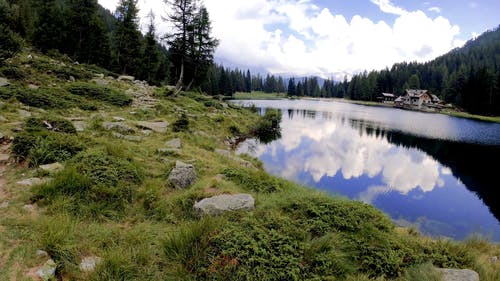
x=336 y=38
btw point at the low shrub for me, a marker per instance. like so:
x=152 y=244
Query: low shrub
x=181 y=124
x=13 y=72
x=43 y=147
x=101 y=93
x=50 y=123
x=268 y=128
x=45 y=98
x=9 y=43
x=94 y=185
x=256 y=181
x=189 y=244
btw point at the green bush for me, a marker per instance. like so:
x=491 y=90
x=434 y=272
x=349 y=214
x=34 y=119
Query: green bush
x=45 y=147
x=94 y=184
x=257 y=181
x=268 y=128
x=101 y=93
x=13 y=72
x=181 y=124
x=188 y=245
x=50 y=123
x=9 y=43
x=44 y=98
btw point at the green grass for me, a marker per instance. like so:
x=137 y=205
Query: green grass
x=255 y=95
x=113 y=200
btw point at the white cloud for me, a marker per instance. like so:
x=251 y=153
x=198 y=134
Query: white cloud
x=434 y=9
x=298 y=37
x=387 y=7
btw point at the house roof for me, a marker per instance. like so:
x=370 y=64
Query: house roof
x=415 y=93
x=399 y=99
x=435 y=98
x=389 y=95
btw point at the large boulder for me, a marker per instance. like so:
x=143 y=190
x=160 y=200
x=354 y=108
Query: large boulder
x=182 y=175
x=223 y=203
x=4 y=82
x=126 y=78
x=118 y=126
x=458 y=274
x=159 y=127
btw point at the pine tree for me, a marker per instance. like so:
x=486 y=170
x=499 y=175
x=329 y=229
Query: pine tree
x=291 y=87
x=127 y=38
x=50 y=26
x=151 y=55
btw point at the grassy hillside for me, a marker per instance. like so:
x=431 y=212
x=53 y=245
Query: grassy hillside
x=112 y=198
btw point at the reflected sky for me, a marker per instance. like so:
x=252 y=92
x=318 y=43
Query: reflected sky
x=344 y=149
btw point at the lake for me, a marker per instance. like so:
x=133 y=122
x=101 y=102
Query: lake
x=431 y=171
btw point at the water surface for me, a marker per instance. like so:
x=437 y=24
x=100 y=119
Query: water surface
x=431 y=171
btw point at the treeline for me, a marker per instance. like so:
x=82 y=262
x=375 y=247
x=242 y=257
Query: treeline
x=226 y=81
x=468 y=77
x=88 y=33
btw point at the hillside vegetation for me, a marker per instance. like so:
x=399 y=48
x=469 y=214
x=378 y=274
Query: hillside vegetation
x=111 y=198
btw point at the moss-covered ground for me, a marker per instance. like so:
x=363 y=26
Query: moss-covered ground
x=112 y=198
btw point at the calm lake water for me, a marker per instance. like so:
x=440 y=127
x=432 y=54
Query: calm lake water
x=435 y=172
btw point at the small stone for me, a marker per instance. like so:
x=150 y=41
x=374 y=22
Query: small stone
x=182 y=175
x=219 y=204
x=494 y=259
x=118 y=119
x=33 y=87
x=80 y=126
x=48 y=270
x=29 y=207
x=30 y=57
x=223 y=152
x=42 y=253
x=4 y=205
x=99 y=75
x=3 y=119
x=72 y=79
x=220 y=177
x=126 y=78
x=458 y=274
x=118 y=126
x=174 y=143
x=99 y=81
x=30 y=182
x=51 y=168
x=4 y=158
x=4 y=82
x=24 y=113
x=89 y=263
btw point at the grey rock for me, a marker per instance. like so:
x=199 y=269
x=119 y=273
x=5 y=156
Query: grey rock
x=89 y=263
x=159 y=127
x=33 y=87
x=30 y=182
x=24 y=113
x=127 y=137
x=174 y=143
x=41 y=253
x=118 y=126
x=494 y=259
x=458 y=274
x=245 y=163
x=223 y=152
x=126 y=78
x=100 y=82
x=182 y=175
x=118 y=119
x=4 y=82
x=219 y=204
x=99 y=75
x=29 y=207
x=80 y=126
x=72 y=79
x=4 y=205
x=48 y=270
x=4 y=158
x=2 y=119
x=51 y=168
